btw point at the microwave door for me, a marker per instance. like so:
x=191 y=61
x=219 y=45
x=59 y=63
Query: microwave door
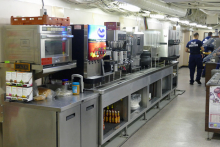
x=57 y=47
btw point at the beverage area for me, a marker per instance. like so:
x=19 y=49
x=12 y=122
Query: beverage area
x=82 y=85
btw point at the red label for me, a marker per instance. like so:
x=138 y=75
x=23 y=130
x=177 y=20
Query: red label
x=46 y=61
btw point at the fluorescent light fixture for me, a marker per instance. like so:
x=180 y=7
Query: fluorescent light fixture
x=210 y=28
x=148 y=12
x=174 y=19
x=145 y=14
x=129 y=7
x=77 y=9
x=184 y=21
x=157 y=16
x=129 y=29
x=193 y=24
x=204 y=26
x=199 y=26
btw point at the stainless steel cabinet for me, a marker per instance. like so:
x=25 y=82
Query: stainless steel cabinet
x=89 y=123
x=69 y=128
x=27 y=127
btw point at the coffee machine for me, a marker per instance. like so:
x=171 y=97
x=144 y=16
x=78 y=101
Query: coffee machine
x=135 y=43
x=89 y=49
x=116 y=42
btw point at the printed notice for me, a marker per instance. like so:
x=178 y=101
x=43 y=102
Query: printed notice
x=214 y=107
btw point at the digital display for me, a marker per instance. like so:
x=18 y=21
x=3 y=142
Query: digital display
x=22 y=66
x=97 y=42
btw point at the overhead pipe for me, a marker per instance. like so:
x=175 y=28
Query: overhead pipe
x=158 y=6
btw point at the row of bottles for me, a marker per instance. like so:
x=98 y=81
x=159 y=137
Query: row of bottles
x=111 y=116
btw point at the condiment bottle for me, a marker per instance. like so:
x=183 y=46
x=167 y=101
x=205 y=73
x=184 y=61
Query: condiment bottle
x=106 y=117
x=76 y=88
x=65 y=82
x=103 y=125
x=112 y=108
x=116 y=117
x=119 y=119
x=113 y=117
x=110 y=117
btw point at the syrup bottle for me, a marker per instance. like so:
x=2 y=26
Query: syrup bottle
x=119 y=118
x=106 y=117
x=113 y=117
x=116 y=117
x=110 y=117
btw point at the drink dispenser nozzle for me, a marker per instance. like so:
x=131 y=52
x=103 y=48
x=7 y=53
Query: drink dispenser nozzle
x=81 y=81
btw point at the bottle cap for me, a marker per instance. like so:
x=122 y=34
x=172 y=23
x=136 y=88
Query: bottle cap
x=75 y=83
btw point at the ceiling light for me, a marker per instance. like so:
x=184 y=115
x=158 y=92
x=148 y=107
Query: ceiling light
x=145 y=14
x=204 y=26
x=210 y=28
x=184 y=21
x=174 y=19
x=77 y=9
x=129 y=7
x=158 y=16
x=199 y=26
x=193 y=24
x=148 y=12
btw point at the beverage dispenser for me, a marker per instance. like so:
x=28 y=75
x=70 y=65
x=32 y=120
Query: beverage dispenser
x=89 y=49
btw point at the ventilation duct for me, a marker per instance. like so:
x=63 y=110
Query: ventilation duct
x=83 y=1
x=158 y=6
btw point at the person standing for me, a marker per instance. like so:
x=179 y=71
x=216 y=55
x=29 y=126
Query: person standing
x=195 y=60
x=207 y=49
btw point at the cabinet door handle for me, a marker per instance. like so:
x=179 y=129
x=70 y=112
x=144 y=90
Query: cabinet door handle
x=70 y=116
x=90 y=107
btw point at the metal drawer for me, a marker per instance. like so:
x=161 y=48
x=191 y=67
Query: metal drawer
x=89 y=123
x=69 y=128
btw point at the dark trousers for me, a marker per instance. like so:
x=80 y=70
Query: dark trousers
x=195 y=61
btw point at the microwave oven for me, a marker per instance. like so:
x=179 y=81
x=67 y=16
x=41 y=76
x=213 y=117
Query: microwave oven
x=38 y=44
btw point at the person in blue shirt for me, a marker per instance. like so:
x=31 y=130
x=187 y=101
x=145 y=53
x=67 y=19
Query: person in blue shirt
x=195 y=60
x=207 y=49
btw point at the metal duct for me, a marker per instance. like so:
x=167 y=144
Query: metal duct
x=157 y=6
x=83 y=1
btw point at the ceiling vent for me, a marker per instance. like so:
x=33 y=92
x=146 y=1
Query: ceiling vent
x=212 y=19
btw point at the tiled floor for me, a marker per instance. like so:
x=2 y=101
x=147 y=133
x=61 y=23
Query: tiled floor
x=180 y=124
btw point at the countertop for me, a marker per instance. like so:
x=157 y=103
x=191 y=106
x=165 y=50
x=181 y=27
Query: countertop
x=210 y=62
x=57 y=104
x=63 y=103
x=134 y=76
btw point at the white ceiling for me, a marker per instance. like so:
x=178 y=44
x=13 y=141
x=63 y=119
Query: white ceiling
x=207 y=6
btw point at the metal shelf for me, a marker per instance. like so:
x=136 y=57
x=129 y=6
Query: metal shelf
x=153 y=100
x=136 y=113
x=111 y=128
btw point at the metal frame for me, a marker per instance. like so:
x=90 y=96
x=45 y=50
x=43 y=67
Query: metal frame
x=112 y=94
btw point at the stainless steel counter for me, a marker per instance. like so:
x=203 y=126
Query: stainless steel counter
x=59 y=104
x=63 y=103
x=134 y=76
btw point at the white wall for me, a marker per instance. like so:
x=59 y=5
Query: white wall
x=10 y=8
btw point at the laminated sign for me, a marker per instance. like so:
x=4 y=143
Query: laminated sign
x=214 y=107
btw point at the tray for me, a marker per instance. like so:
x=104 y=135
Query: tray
x=40 y=20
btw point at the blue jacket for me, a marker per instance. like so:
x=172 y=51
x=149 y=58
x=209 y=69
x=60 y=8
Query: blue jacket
x=209 y=47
